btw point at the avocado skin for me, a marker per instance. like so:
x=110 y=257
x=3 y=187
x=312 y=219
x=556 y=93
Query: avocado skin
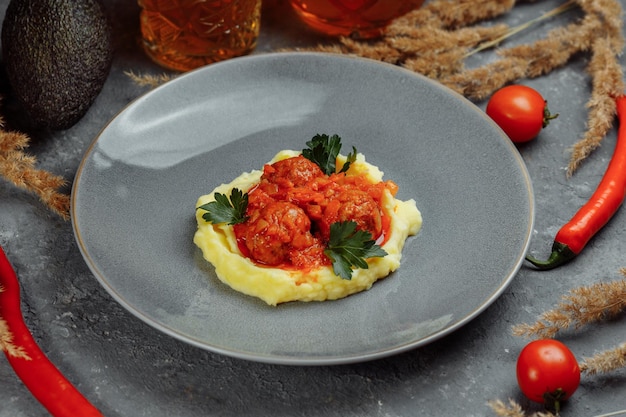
x=57 y=55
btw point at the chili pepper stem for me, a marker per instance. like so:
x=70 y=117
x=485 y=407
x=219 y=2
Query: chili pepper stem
x=560 y=255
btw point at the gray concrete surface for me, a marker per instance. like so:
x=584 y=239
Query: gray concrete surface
x=128 y=369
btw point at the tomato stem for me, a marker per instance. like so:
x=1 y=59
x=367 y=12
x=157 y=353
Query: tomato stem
x=552 y=400
x=547 y=116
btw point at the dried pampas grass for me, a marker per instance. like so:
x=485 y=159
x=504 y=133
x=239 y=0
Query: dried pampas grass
x=513 y=409
x=580 y=307
x=6 y=341
x=148 y=80
x=437 y=39
x=606 y=361
x=607 y=83
x=20 y=169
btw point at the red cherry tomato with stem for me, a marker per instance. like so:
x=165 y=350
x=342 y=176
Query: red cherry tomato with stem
x=520 y=111
x=547 y=372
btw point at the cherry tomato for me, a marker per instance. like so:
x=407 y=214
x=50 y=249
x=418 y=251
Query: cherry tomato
x=520 y=111
x=547 y=372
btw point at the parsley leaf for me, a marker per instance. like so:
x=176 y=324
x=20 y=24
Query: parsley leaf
x=223 y=210
x=323 y=150
x=348 y=247
x=351 y=158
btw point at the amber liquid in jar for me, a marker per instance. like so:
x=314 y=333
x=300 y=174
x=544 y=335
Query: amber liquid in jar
x=187 y=34
x=356 y=18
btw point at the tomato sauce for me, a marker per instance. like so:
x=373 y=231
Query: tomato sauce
x=291 y=209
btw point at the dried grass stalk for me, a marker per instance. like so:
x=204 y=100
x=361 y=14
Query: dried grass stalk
x=527 y=60
x=608 y=12
x=19 y=168
x=6 y=341
x=520 y=28
x=148 y=80
x=420 y=39
x=606 y=73
x=380 y=51
x=479 y=83
x=455 y=13
x=437 y=65
x=581 y=306
x=607 y=84
x=434 y=41
x=556 y=48
x=606 y=361
x=438 y=28
x=10 y=141
x=513 y=409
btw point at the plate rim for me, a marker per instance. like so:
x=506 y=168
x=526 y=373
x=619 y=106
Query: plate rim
x=279 y=359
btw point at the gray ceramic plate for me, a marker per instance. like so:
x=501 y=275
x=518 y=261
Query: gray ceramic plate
x=135 y=192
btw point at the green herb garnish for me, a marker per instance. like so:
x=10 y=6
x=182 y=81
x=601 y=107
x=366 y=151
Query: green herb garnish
x=349 y=247
x=223 y=210
x=323 y=150
x=350 y=159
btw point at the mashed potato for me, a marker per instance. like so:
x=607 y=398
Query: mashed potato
x=275 y=285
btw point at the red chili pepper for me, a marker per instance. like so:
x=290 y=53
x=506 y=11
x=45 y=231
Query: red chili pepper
x=38 y=374
x=603 y=204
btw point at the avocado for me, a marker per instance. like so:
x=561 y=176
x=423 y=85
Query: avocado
x=57 y=55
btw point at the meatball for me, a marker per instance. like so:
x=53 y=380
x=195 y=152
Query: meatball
x=352 y=205
x=274 y=231
x=292 y=172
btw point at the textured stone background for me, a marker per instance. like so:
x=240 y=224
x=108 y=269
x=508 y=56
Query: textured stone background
x=126 y=368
